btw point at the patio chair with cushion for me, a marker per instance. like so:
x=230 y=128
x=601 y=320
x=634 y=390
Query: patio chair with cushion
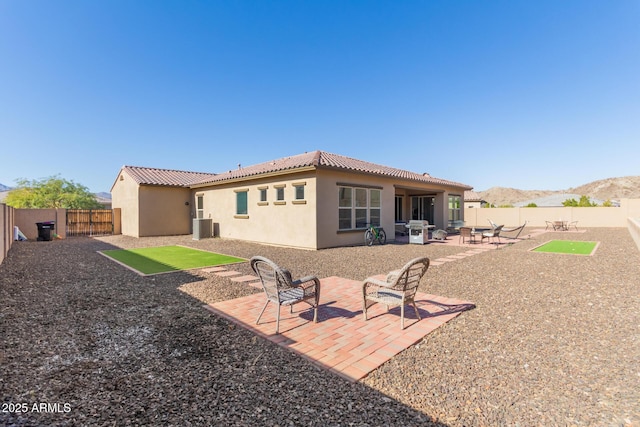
x=282 y=290
x=399 y=288
x=492 y=234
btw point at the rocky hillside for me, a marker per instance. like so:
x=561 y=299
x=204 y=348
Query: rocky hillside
x=604 y=189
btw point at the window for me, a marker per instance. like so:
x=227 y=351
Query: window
x=280 y=193
x=344 y=208
x=299 y=192
x=200 y=206
x=374 y=207
x=454 y=208
x=241 y=202
x=263 y=194
x=359 y=206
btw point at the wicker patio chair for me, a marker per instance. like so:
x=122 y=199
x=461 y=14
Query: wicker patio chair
x=492 y=234
x=399 y=288
x=468 y=234
x=282 y=290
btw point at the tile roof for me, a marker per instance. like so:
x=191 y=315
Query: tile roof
x=174 y=178
x=322 y=159
x=472 y=196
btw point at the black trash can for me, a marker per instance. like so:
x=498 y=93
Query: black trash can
x=45 y=230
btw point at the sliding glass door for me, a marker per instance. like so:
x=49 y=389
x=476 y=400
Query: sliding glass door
x=422 y=208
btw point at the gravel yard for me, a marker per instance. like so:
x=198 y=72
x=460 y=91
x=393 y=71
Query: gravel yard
x=554 y=340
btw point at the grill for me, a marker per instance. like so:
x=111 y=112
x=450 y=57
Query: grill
x=418 y=231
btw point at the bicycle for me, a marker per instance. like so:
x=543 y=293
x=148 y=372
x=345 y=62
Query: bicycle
x=374 y=233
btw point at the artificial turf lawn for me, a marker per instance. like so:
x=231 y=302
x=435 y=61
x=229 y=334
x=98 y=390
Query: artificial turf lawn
x=163 y=259
x=567 y=247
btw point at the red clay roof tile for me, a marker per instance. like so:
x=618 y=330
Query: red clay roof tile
x=316 y=159
x=174 y=178
x=323 y=159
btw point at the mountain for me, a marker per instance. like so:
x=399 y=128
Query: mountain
x=627 y=187
x=4 y=187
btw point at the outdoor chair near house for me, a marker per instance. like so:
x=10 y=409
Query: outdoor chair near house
x=282 y=290
x=573 y=224
x=549 y=224
x=492 y=234
x=397 y=290
x=467 y=233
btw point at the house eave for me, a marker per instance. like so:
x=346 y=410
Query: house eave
x=254 y=177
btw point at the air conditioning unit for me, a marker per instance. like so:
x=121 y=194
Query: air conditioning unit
x=202 y=228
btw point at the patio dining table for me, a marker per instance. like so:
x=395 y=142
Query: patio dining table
x=560 y=225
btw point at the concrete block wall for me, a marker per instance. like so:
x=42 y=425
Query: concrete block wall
x=26 y=220
x=7 y=219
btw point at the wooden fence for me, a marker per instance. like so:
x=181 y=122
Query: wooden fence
x=89 y=222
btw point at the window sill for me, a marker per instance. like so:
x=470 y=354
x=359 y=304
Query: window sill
x=241 y=216
x=263 y=203
x=299 y=202
x=280 y=203
x=351 y=230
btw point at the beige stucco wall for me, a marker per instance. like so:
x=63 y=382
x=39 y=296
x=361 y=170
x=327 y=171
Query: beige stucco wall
x=288 y=223
x=311 y=223
x=328 y=192
x=634 y=230
x=328 y=183
x=26 y=220
x=164 y=211
x=7 y=219
x=124 y=196
x=536 y=217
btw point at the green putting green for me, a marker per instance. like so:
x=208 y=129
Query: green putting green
x=567 y=247
x=165 y=259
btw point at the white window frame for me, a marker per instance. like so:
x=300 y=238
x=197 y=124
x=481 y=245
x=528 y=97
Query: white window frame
x=455 y=212
x=199 y=206
x=358 y=205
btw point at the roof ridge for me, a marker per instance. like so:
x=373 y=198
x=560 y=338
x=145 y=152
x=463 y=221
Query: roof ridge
x=168 y=170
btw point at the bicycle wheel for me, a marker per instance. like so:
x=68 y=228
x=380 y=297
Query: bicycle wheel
x=382 y=237
x=368 y=238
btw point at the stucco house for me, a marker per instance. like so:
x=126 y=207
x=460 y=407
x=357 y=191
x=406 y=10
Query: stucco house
x=312 y=200
x=473 y=200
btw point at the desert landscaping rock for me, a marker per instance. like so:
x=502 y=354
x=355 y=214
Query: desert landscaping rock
x=553 y=340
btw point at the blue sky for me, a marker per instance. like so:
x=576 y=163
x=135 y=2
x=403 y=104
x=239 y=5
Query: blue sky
x=524 y=94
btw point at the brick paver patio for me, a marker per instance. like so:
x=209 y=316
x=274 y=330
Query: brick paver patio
x=342 y=341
